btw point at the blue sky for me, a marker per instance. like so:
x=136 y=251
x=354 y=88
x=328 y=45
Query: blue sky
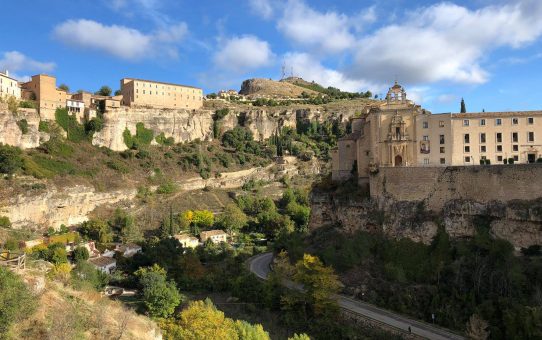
x=487 y=51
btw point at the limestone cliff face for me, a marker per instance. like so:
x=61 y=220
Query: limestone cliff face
x=11 y=134
x=182 y=125
x=59 y=206
x=519 y=222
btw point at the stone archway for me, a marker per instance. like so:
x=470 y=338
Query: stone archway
x=398 y=160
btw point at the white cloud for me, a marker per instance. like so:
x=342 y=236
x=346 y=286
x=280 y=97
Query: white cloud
x=323 y=32
x=263 y=8
x=310 y=69
x=120 y=41
x=244 y=53
x=16 y=62
x=446 y=42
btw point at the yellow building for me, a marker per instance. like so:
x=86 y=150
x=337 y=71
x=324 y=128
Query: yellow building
x=397 y=132
x=9 y=86
x=47 y=95
x=147 y=93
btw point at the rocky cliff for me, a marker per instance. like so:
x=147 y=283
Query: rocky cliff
x=182 y=125
x=13 y=132
x=268 y=88
x=518 y=221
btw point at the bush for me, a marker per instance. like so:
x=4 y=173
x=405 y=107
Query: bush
x=143 y=136
x=510 y=160
x=162 y=140
x=43 y=126
x=27 y=104
x=94 y=125
x=166 y=188
x=539 y=160
x=10 y=159
x=5 y=222
x=80 y=254
x=23 y=126
x=75 y=132
x=237 y=138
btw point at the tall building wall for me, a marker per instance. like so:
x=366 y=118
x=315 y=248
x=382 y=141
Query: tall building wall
x=9 y=86
x=138 y=92
x=48 y=96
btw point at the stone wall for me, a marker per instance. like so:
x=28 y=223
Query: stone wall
x=438 y=185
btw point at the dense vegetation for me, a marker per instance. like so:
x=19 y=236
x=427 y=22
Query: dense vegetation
x=456 y=280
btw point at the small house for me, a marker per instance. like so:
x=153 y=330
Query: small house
x=216 y=236
x=104 y=263
x=187 y=241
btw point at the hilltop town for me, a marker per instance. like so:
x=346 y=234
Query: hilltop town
x=157 y=180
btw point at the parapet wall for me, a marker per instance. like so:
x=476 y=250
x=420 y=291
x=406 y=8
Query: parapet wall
x=437 y=185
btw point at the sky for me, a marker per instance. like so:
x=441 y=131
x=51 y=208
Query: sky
x=486 y=51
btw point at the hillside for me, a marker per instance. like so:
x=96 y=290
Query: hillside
x=259 y=87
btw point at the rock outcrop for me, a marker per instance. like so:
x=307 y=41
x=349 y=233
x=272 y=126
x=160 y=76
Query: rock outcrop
x=519 y=222
x=11 y=132
x=267 y=88
x=182 y=125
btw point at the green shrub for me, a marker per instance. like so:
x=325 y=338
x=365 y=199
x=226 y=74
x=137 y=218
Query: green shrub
x=539 y=160
x=27 y=104
x=16 y=301
x=510 y=160
x=94 y=125
x=5 y=222
x=166 y=188
x=143 y=136
x=10 y=159
x=23 y=126
x=116 y=165
x=162 y=140
x=75 y=132
x=43 y=126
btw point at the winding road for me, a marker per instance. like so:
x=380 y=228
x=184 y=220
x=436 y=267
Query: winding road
x=260 y=266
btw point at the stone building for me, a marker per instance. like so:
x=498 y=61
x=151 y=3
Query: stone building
x=397 y=132
x=9 y=86
x=48 y=97
x=216 y=236
x=148 y=93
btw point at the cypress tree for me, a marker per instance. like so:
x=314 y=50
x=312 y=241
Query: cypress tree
x=463 y=107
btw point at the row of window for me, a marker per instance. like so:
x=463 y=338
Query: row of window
x=482 y=122
x=178 y=88
x=483 y=148
x=174 y=95
x=498 y=121
x=498 y=137
x=468 y=159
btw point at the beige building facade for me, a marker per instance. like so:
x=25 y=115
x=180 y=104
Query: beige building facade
x=147 y=93
x=48 y=97
x=397 y=132
x=9 y=87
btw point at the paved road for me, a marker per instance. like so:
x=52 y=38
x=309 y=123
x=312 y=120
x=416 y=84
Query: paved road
x=260 y=266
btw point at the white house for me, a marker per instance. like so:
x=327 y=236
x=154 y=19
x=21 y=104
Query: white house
x=187 y=241
x=104 y=263
x=216 y=236
x=128 y=250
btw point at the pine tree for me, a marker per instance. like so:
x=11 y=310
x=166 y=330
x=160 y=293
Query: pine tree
x=463 y=107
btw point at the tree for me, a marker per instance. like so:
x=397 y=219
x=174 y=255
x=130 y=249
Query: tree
x=320 y=283
x=160 y=296
x=64 y=87
x=10 y=159
x=5 y=222
x=16 y=301
x=233 y=219
x=80 y=254
x=301 y=336
x=104 y=91
x=118 y=92
x=97 y=230
x=247 y=331
x=477 y=328
x=203 y=219
x=463 y=107
x=85 y=274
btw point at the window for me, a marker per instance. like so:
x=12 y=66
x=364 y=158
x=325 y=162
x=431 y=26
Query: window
x=516 y=158
x=443 y=161
x=441 y=149
x=441 y=123
x=515 y=147
x=426 y=161
x=482 y=122
x=466 y=138
x=143 y=91
x=425 y=125
x=467 y=159
x=499 y=148
x=515 y=121
x=483 y=148
x=426 y=138
x=467 y=149
x=482 y=138
x=514 y=137
x=499 y=158
x=441 y=137
x=530 y=120
x=498 y=136
x=466 y=122
x=530 y=136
